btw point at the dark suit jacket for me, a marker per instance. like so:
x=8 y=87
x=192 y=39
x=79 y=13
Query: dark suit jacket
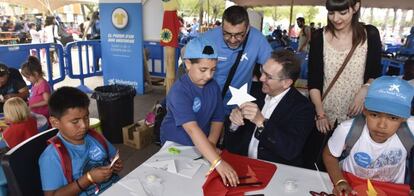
x=285 y=132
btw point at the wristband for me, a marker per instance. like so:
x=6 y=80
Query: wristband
x=340 y=181
x=79 y=186
x=89 y=177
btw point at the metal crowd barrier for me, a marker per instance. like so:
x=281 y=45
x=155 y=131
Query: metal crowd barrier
x=15 y=55
x=87 y=55
x=78 y=60
x=155 y=62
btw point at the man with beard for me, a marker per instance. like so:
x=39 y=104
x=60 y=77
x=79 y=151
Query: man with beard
x=275 y=126
x=229 y=39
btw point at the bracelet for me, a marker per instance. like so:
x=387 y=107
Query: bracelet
x=340 y=181
x=366 y=84
x=214 y=166
x=215 y=162
x=89 y=177
x=79 y=186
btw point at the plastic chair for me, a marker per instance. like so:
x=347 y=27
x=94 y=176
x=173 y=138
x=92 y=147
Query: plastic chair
x=21 y=166
x=386 y=63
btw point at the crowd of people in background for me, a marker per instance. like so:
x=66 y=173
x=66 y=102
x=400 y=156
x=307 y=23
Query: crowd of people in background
x=51 y=29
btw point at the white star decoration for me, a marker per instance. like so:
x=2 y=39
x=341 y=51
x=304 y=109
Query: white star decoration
x=240 y=96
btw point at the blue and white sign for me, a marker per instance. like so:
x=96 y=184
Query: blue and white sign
x=122 y=42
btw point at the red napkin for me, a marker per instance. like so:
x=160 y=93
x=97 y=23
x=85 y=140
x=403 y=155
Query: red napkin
x=390 y=189
x=258 y=170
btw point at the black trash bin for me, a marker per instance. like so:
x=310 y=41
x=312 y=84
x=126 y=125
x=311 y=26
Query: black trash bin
x=115 y=108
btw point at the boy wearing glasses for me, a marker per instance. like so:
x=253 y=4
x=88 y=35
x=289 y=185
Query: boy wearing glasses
x=379 y=152
x=274 y=127
x=195 y=109
x=229 y=39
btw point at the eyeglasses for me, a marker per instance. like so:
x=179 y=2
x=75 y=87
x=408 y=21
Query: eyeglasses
x=269 y=76
x=314 y=193
x=238 y=36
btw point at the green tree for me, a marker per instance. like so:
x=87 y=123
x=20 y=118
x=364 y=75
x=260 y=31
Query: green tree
x=192 y=8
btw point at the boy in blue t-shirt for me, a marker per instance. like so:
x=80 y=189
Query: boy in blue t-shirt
x=195 y=110
x=378 y=153
x=89 y=154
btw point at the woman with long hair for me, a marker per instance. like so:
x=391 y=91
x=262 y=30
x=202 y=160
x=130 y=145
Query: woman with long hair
x=343 y=36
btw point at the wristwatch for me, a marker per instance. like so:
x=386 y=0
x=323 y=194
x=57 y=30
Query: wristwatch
x=261 y=127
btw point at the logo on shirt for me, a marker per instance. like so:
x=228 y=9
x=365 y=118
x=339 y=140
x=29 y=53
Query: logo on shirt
x=119 y=18
x=196 y=104
x=394 y=87
x=222 y=58
x=96 y=154
x=244 y=57
x=362 y=159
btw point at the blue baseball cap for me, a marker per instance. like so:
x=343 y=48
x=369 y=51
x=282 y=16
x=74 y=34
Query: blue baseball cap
x=200 y=48
x=391 y=95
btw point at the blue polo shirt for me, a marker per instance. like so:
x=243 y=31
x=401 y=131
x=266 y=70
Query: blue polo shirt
x=257 y=51
x=187 y=102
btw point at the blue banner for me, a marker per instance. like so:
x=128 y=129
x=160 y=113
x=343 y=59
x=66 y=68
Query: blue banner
x=122 y=42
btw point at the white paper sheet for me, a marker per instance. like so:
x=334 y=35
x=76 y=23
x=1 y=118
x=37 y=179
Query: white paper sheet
x=186 y=168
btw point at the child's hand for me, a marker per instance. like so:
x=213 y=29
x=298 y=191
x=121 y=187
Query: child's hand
x=227 y=173
x=100 y=174
x=118 y=166
x=343 y=188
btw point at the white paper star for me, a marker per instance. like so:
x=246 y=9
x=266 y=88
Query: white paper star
x=240 y=96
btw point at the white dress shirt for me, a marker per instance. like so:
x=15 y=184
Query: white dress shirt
x=267 y=110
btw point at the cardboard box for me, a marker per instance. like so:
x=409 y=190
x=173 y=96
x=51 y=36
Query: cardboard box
x=137 y=135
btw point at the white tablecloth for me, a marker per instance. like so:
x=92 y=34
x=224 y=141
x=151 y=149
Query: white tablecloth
x=170 y=184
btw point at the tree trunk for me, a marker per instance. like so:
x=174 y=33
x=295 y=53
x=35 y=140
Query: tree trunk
x=83 y=12
x=412 y=19
x=394 y=20
x=403 y=22
x=201 y=14
x=384 y=25
x=371 y=15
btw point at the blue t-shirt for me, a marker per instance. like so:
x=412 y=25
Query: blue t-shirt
x=84 y=157
x=257 y=51
x=187 y=102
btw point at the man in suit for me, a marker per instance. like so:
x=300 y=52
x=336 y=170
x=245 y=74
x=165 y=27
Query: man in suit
x=275 y=127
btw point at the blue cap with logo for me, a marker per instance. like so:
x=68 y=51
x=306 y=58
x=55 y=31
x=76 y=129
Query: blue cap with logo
x=391 y=95
x=200 y=48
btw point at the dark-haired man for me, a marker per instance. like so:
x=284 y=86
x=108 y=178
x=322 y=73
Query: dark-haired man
x=274 y=127
x=229 y=39
x=11 y=85
x=304 y=35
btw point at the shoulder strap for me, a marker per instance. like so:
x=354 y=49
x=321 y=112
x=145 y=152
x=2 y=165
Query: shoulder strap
x=406 y=137
x=234 y=68
x=65 y=160
x=341 y=69
x=100 y=139
x=353 y=135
